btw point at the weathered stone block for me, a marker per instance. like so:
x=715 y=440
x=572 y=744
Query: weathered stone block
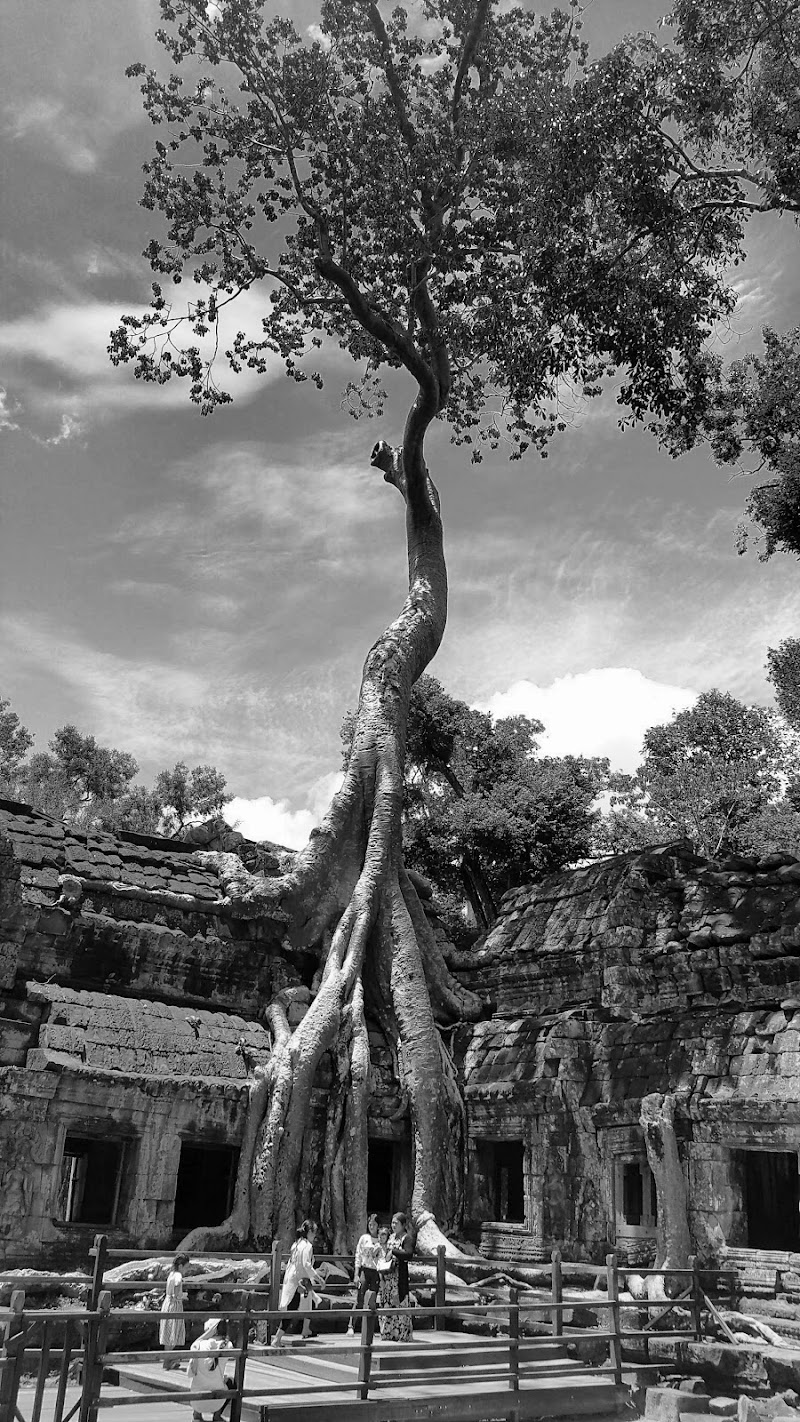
x=667 y=1404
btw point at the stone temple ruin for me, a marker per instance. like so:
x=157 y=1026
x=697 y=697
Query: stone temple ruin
x=132 y=1017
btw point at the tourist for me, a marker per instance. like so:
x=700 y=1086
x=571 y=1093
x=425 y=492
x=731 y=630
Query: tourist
x=172 y=1332
x=297 y=1293
x=206 y=1369
x=366 y=1266
x=393 y=1268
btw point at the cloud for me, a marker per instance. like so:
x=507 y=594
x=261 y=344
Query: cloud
x=49 y=124
x=605 y=711
x=8 y=409
x=63 y=365
x=265 y=818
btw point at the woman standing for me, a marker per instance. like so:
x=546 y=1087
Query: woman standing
x=299 y=1280
x=366 y=1266
x=172 y=1333
x=396 y=1327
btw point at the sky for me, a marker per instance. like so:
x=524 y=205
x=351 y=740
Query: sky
x=206 y=589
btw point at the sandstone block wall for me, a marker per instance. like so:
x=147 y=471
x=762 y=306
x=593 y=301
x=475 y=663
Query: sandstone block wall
x=650 y=972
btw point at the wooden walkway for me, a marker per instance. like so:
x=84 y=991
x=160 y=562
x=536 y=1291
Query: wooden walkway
x=318 y=1382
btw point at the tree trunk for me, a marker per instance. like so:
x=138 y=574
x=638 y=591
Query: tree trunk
x=349 y=890
x=674 y=1243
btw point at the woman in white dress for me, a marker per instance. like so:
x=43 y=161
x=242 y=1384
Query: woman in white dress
x=299 y=1280
x=206 y=1368
x=172 y=1332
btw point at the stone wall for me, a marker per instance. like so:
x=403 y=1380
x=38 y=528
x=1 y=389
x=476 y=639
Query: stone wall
x=131 y=1013
x=650 y=972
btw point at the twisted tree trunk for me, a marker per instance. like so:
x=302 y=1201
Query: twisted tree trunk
x=349 y=890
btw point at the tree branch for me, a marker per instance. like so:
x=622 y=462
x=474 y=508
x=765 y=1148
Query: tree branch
x=471 y=42
x=395 y=89
x=375 y=323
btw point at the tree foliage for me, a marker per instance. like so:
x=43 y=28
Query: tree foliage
x=92 y=786
x=484 y=811
x=184 y=794
x=454 y=190
x=15 y=742
x=734 y=76
x=721 y=774
x=783 y=664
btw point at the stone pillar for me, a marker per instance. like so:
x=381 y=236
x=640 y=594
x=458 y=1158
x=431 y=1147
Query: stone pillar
x=534 y=1166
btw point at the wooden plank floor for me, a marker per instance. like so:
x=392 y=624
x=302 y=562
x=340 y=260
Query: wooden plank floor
x=300 y=1386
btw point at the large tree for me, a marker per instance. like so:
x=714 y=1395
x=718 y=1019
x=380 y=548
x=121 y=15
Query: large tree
x=484 y=811
x=453 y=192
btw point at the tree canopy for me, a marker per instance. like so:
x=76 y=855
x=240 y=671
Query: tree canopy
x=722 y=774
x=454 y=189
x=734 y=77
x=484 y=811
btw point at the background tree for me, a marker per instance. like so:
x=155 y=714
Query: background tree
x=484 y=812
x=783 y=663
x=460 y=196
x=15 y=742
x=91 y=786
x=185 y=795
x=76 y=777
x=720 y=774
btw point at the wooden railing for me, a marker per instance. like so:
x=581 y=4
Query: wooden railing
x=79 y=1336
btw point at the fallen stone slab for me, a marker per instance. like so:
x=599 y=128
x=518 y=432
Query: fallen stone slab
x=668 y=1404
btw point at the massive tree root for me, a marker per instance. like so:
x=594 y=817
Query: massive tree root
x=349 y=890
x=674 y=1243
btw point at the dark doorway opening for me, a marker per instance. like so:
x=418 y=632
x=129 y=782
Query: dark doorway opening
x=91 y=1171
x=381 y=1167
x=509 y=1182
x=204 y=1192
x=772 y=1199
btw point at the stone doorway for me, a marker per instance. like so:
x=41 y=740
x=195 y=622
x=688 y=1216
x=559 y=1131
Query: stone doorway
x=382 y=1170
x=772 y=1199
x=204 y=1190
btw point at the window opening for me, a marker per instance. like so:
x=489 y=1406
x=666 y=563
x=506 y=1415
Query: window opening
x=91 y=1172
x=509 y=1181
x=636 y=1195
x=204 y=1189
x=772 y=1199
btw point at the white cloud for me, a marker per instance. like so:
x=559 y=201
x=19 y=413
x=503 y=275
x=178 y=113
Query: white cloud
x=48 y=121
x=265 y=818
x=72 y=339
x=8 y=409
x=605 y=711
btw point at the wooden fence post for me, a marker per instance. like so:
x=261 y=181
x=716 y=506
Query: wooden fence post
x=365 y=1356
x=42 y=1370
x=615 y=1344
x=99 y=1252
x=92 y=1378
x=243 y=1335
x=63 y=1372
x=441 y=1289
x=274 y=1285
x=12 y=1355
x=513 y=1338
x=558 y=1294
x=697 y=1307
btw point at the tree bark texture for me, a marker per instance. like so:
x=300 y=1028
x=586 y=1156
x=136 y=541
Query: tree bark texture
x=674 y=1243
x=349 y=892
